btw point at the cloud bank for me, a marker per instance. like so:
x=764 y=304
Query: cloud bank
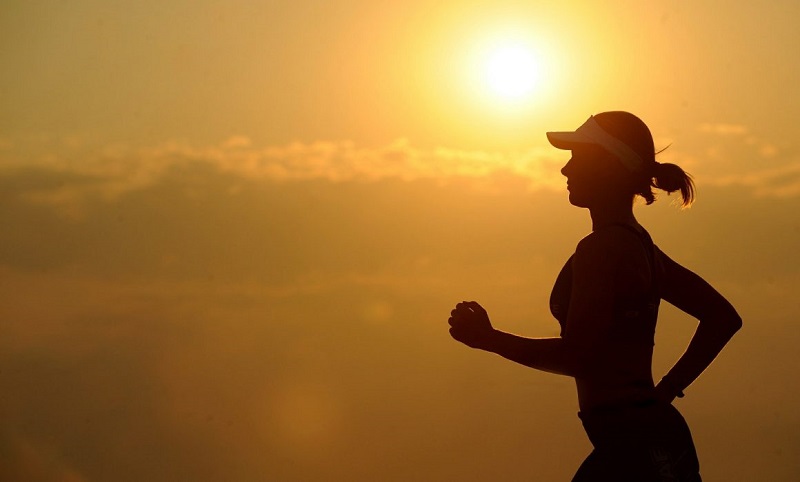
x=111 y=171
x=732 y=157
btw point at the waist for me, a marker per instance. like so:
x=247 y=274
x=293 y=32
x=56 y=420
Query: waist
x=635 y=424
x=614 y=408
x=595 y=395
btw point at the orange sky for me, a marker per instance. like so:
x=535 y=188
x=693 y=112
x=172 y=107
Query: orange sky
x=234 y=232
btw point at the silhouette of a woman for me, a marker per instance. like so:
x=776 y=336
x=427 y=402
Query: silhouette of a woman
x=606 y=300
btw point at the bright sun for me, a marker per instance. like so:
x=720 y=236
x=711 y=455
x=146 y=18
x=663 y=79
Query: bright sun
x=512 y=71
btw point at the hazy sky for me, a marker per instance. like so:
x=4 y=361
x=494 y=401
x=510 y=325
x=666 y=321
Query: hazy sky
x=234 y=231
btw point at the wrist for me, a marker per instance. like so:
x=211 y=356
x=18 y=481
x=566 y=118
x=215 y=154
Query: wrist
x=669 y=384
x=491 y=340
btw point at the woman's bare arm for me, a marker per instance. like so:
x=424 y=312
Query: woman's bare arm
x=469 y=324
x=718 y=321
x=590 y=317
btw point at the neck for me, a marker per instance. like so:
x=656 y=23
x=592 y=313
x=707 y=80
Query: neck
x=607 y=215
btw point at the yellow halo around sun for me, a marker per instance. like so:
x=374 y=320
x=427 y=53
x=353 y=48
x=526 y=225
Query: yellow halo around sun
x=512 y=71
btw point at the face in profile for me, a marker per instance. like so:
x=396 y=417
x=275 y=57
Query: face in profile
x=593 y=176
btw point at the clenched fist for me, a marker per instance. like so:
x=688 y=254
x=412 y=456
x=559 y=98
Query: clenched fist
x=469 y=324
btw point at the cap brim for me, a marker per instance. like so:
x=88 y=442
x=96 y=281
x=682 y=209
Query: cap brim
x=566 y=140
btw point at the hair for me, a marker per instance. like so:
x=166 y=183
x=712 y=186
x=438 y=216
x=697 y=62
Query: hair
x=670 y=177
x=667 y=177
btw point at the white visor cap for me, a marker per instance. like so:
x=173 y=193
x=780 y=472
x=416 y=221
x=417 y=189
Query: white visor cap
x=591 y=133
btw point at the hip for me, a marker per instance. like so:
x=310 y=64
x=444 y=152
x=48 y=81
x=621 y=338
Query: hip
x=635 y=422
x=647 y=441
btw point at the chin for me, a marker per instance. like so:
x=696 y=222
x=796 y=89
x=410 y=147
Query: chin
x=577 y=201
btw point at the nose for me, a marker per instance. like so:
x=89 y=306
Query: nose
x=566 y=169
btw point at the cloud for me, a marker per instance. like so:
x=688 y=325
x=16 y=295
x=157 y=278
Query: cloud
x=105 y=173
x=768 y=150
x=237 y=141
x=733 y=157
x=330 y=160
x=344 y=161
x=723 y=129
x=108 y=172
x=780 y=182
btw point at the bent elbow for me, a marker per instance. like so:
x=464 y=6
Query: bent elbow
x=735 y=323
x=724 y=318
x=729 y=323
x=732 y=320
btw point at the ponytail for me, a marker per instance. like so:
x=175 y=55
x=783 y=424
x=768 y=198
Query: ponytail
x=670 y=177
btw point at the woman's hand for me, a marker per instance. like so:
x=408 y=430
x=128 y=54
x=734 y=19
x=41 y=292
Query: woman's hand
x=666 y=391
x=663 y=394
x=469 y=324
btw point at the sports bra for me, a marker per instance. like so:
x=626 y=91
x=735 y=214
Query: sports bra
x=634 y=316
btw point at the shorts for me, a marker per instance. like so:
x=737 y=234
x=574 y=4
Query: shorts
x=646 y=442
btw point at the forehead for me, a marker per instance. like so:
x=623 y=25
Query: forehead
x=588 y=150
x=593 y=157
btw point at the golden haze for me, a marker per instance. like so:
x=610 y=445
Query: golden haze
x=233 y=232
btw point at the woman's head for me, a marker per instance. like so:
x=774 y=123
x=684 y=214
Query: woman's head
x=613 y=155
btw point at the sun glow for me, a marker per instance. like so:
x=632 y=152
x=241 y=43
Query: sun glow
x=512 y=71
